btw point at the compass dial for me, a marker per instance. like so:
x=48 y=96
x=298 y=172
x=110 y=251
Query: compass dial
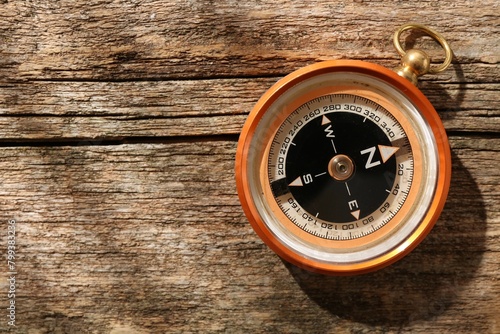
x=343 y=167
x=348 y=165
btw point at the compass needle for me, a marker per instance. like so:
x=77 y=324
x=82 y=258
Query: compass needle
x=343 y=167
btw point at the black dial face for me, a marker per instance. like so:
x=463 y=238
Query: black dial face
x=349 y=187
x=340 y=166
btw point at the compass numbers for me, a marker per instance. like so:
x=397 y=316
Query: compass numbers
x=340 y=166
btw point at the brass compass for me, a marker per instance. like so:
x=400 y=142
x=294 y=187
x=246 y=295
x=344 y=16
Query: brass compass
x=343 y=166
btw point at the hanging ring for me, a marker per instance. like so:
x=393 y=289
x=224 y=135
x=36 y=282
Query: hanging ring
x=435 y=35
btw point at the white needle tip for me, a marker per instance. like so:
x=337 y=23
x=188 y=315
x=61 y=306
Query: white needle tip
x=297 y=182
x=386 y=152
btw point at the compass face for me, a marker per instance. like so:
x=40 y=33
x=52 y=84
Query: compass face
x=340 y=166
x=343 y=167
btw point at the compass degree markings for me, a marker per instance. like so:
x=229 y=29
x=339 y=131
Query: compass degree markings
x=376 y=156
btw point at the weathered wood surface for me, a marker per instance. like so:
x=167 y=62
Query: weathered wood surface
x=118 y=128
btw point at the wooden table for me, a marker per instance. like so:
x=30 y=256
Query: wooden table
x=118 y=127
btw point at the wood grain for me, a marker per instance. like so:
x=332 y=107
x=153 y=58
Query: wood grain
x=118 y=129
x=152 y=236
x=179 y=39
x=98 y=110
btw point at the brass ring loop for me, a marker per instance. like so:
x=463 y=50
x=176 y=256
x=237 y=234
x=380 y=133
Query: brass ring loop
x=435 y=35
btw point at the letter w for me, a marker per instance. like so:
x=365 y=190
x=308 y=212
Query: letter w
x=329 y=132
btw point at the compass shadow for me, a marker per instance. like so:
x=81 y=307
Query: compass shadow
x=422 y=285
x=444 y=100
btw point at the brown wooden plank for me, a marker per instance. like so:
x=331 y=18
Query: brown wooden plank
x=151 y=237
x=113 y=111
x=178 y=39
x=116 y=165
x=188 y=98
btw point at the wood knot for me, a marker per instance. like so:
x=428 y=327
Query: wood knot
x=126 y=56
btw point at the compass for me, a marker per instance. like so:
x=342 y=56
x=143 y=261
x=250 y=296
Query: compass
x=343 y=166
